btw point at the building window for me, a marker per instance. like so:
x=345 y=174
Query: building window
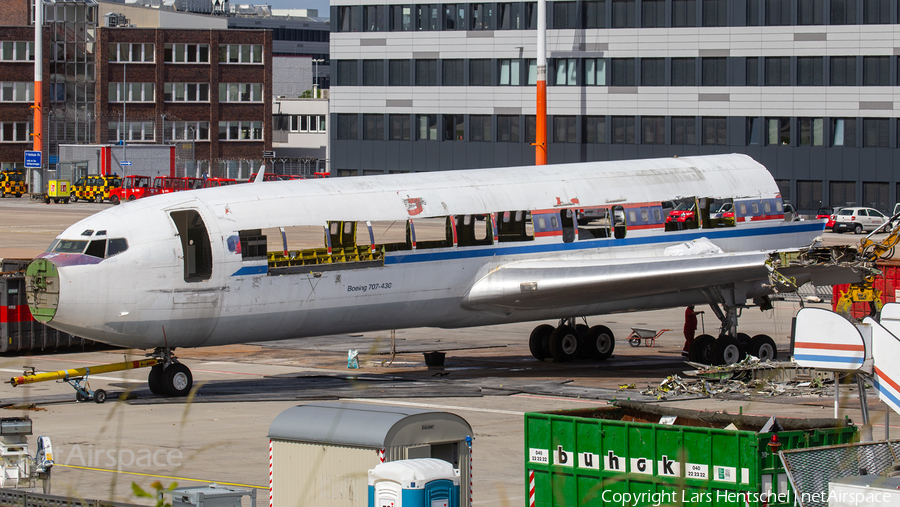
x=509 y=72
x=653 y=14
x=426 y=72
x=186 y=131
x=240 y=92
x=810 y=71
x=346 y=14
x=400 y=128
x=454 y=127
x=715 y=12
x=752 y=73
x=373 y=127
x=347 y=73
x=18 y=91
x=347 y=127
x=753 y=12
x=566 y=71
x=398 y=72
x=875 y=195
x=480 y=72
x=17 y=132
x=594 y=71
x=778 y=131
x=778 y=71
x=876 y=133
x=564 y=129
x=183 y=92
x=480 y=127
x=427 y=127
x=623 y=129
x=401 y=18
x=653 y=130
x=623 y=14
x=778 y=12
x=843 y=193
x=134 y=131
x=713 y=71
x=132 y=52
x=508 y=128
x=595 y=129
x=481 y=16
x=877 y=12
x=132 y=92
x=240 y=53
x=843 y=71
x=427 y=17
x=373 y=73
x=186 y=53
x=684 y=71
x=373 y=18
x=714 y=131
x=684 y=13
x=530 y=129
x=784 y=188
x=843 y=12
x=844 y=130
x=565 y=14
x=812 y=131
x=876 y=71
x=653 y=71
x=684 y=130
x=811 y=12
x=532 y=72
x=809 y=194
x=594 y=14
x=248 y=130
x=16 y=51
x=510 y=16
x=623 y=72
x=454 y=16
x=753 y=127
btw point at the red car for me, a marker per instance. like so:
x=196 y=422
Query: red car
x=684 y=212
x=828 y=213
x=133 y=187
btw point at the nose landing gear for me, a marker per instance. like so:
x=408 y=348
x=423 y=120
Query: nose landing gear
x=169 y=377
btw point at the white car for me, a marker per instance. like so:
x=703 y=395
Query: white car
x=858 y=220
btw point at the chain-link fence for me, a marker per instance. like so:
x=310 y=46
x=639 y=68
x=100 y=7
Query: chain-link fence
x=811 y=470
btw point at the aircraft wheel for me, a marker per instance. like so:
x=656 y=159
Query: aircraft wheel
x=763 y=347
x=537 y=342
x=99 y=396
x=114 y=199
x=701 y=349
x=858 y=229
x=154 y=379
x=563 y=343
x=177 y=380
x=727 y=350
x=744 y=338
x=600 y=343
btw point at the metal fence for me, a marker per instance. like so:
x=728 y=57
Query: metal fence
x=20 y=498
x=811 y=470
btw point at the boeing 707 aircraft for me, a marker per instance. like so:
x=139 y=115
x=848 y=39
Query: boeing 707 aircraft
x=446 y=249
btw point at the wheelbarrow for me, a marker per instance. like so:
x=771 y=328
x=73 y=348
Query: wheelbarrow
x=648 y=336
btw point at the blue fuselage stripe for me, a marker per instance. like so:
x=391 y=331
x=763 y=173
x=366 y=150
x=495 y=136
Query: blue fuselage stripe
x=829 y=359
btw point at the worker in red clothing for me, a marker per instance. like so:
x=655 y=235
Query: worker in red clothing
x=690 y=327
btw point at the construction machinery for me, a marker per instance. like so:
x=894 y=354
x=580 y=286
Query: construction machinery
x=870 y=250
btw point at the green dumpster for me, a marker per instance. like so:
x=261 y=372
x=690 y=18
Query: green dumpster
x=626 y=455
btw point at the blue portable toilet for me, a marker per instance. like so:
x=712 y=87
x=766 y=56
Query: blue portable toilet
x=424 y=482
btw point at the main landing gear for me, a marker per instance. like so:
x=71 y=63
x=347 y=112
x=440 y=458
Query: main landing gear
x=730 y=347
x=569 y=340
x=169 y=377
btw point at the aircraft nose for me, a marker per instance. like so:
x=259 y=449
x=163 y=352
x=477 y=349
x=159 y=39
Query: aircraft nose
x=42 y=289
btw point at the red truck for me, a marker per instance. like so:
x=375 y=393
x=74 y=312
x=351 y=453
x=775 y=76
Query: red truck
x=133 y=187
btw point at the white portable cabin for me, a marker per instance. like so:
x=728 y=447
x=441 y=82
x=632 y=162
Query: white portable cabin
x=321 y=452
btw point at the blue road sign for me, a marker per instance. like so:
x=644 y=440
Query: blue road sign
x=32 y=159
x=125 y=162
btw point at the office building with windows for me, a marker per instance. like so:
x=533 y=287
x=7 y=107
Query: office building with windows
x=806 y=87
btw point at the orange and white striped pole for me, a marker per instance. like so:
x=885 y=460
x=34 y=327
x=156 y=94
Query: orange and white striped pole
x=271 y=463
x=531 y=488
x=38 y=126
x=540 y=145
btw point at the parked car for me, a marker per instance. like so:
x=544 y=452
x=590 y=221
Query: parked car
x=722 y=214
x=828 y=213
x=790 y=213
x=858 y=220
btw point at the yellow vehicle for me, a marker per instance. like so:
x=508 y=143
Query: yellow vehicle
x=58 y=191
x=94 y=188
x=12 y=183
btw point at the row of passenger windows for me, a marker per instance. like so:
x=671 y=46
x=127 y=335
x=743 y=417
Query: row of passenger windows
x=701 y=71
x=678 y=130
x=612 y=14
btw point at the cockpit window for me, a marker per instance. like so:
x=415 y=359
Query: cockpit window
x=87 y=232
x=70 y=246
x=53 y=245
x=96 y=248
x=116 y=246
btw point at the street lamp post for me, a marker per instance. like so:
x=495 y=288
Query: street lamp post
x=316 y=62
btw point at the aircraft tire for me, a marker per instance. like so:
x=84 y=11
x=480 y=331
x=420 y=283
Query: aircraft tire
x=600 y=343
x=154 y=379
x=763 y=347
x=177 y=380
x=727 y=350
x=701 y=349
x=583 y=330
x=563 y=343
x=537 y=342
x=744 y=338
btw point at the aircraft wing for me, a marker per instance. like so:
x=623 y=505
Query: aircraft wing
x=540 y=284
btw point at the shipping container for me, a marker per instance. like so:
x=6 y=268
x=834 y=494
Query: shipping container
x=888 y=283
x=634 y=454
